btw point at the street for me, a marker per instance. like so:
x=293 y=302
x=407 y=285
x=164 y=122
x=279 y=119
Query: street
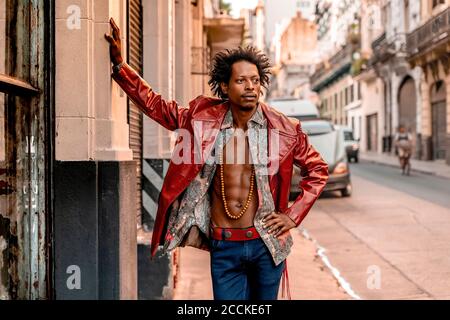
x=390 y=239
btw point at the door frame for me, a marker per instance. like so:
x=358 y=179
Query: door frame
x=28 y=84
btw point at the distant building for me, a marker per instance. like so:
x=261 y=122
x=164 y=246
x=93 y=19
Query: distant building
x=294 y=58
x=279 y=12
x=427 y=48
x=338 y=24
x=254 y=34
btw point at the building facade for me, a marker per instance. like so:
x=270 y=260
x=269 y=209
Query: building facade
x=427 y=48
x=390 y=75
x=255 y=26
x=295 y=51
x=339 y=42
x=68 y=223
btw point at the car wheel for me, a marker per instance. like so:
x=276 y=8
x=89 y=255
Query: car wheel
x=347 y=192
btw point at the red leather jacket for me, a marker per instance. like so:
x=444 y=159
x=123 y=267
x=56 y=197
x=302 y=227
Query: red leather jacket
x=294 y=148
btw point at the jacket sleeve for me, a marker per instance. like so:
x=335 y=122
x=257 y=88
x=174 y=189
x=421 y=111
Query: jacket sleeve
x=166 y=113
x=315 y=175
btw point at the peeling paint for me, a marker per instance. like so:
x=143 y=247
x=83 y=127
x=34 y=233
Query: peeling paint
x=4 y=275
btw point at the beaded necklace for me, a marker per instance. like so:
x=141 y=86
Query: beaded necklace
x=222 y=185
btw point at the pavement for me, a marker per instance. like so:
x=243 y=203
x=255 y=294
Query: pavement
x=390 y=239
x=310 y=278
x=436 y=167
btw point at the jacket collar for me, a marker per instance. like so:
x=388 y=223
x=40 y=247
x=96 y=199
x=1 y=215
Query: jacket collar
x=218 y=113
x=257 y=118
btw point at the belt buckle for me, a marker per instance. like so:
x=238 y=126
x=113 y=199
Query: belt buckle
x=249 y=234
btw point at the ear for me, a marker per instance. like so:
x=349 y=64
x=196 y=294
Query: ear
x=224 y=87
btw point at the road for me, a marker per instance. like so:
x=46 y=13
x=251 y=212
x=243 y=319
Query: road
x=391 y=239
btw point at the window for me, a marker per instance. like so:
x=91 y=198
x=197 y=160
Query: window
x=347 y=102
x=438 y=2
x=407 y=14
x=334 y=115
x=352 y=93
x=385 y=11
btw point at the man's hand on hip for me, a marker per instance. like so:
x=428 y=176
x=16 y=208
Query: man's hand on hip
x=115 y=47
x=278 y=223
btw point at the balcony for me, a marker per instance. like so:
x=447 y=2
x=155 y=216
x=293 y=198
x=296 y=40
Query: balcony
x=338 y=65
x=386 y=48
x=319 y=72
x=430 y=36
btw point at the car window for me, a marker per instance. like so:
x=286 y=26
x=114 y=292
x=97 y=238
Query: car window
x=326 y=145
x=316 y=127
x=348 y=136
x=300 y=109
x=304 y=118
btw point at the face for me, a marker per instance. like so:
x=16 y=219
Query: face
x=244 y=87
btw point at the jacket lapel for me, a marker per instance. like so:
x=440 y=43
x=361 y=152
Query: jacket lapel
x=281 y=139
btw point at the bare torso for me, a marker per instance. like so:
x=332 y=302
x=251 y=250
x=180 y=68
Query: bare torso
x=237 y=173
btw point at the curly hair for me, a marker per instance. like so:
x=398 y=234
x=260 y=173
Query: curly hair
x=223 y=63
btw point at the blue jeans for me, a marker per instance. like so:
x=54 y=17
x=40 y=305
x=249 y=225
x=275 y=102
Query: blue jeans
x=244 y=270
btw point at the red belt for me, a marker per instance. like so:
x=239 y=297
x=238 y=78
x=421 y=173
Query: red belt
x=234 y=234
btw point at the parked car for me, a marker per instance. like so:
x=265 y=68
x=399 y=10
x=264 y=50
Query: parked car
x=351 y=144
x=329 y=142
x=299 y=109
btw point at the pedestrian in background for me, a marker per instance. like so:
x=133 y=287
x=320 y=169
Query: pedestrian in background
x=237 y=211
x=404 y=144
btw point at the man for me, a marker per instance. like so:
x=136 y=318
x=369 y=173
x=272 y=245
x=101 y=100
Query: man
x=403 y=144
x=236 y=209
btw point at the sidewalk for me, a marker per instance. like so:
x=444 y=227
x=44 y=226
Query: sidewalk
x=309 y=278
x=437 y=167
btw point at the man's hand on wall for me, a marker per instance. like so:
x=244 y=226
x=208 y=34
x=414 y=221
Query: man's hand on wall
x=115 y=47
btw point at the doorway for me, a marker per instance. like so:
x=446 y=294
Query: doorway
x=439 y=120
x=372 y=132
x=407 y=102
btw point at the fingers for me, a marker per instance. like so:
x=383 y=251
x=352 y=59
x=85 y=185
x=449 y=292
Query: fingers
x=116 y=30
x=276 y=224
x=275 y=227
x=109 y=38
x=271 y=216
x=280 y=231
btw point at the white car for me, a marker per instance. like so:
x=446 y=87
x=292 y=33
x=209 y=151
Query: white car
x=328 y=140
x=299 y=109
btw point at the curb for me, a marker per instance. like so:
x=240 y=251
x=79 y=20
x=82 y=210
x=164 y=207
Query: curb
x=431 y=173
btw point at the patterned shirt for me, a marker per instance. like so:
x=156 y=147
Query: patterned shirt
x=189 y=219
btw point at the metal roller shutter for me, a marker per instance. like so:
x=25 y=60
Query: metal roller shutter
x=135 y=60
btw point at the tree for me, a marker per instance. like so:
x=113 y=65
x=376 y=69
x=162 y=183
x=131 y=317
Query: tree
x=224 y=7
